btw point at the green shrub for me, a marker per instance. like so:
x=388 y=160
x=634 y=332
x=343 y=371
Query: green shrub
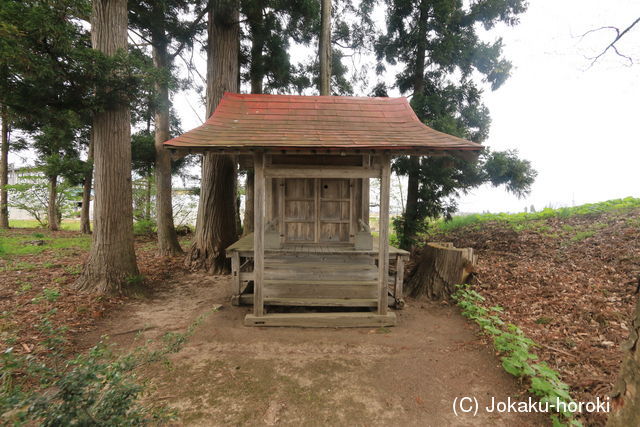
x=144 y=226
x=516 y=349
x=94 y=388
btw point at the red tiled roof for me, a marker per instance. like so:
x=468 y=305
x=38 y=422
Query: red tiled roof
x=342 y=122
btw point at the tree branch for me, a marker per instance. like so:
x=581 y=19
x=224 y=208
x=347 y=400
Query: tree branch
x=192 y=28
x=612 y=45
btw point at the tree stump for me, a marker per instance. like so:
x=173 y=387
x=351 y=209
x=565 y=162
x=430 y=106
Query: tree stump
x=625 y=397
x=438 y=269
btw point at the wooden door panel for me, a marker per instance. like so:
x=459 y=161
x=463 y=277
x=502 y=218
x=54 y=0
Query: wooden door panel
x=334 y=232
x=300 y=210
x=303 y=232
x=334 y=188
x=334 y=211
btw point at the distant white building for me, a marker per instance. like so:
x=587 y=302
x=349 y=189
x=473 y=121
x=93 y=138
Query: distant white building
x=15 y=177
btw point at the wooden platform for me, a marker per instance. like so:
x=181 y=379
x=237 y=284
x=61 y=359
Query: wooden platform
x=244 y=247
x=322 y=320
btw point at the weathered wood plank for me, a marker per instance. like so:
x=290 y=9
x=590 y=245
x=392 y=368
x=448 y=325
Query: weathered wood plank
x=383 y=247
x=258 y=235
x=398 y=291
x=247 y=299
x=324 y=172
x=322 y=302
x=320 y=289
x=235 y=271
x=322 y=320
x=245 y=246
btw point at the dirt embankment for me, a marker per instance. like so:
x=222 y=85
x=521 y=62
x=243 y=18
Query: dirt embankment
x=569 y=283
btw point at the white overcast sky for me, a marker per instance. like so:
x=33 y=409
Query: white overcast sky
x=578 y=125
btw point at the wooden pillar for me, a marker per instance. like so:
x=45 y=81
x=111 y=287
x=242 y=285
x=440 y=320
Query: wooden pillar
x=258 y=233
x=398 y=292
x=235 y=271
x=383 y=242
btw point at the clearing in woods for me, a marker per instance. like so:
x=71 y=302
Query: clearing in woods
x=231 y=374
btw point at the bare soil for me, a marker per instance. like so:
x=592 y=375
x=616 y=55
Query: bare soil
x=231 y=374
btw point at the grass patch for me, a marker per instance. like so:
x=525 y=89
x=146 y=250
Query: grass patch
x=516 y=220
x=66 y=224
x=581 y=235
x=13 y=244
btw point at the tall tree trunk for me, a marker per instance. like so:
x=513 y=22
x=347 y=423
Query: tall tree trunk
x=4 y=168
x=248 y=204
x=411 y=217
x=167 y=237
x=325 y=48
x=410 y=213
x=258 y=36
x=626 y=392
x=52 y=211
x=112 y=259
x=215 y=225
x=85 y=220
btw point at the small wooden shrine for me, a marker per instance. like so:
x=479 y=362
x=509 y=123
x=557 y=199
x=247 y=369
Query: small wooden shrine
x=313 y=158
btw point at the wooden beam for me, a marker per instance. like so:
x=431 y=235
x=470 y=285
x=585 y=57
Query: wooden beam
x=322 y=172
x=383 y=243
x=258 y=234
x=235 y=271
x=398 y=293
x=322 y=320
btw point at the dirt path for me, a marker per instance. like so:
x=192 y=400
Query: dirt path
x=231 y=374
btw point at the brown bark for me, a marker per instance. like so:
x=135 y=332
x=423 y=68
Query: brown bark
x=248 y=204
x=324 y=46
x=625 y=397
x=439 y=269
x=85 y=220
x=167 y=237
x=111 y=265
x=258 y=36
x=52 y=211
x=4 y=169
x=411 y=213
x=215 y=225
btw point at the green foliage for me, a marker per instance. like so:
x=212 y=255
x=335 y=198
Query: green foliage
x=98 y=387
x=516 y=349
x=581 y=235
x=144 y=226
x=442 y=180
x=440 y=53
x=547 y=213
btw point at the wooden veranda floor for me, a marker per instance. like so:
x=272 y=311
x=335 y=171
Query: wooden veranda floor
x=245 y=248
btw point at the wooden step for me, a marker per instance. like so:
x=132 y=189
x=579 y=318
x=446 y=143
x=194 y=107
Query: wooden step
x=317 y=271
x=247 y=299
x=319 y=258
x=323 y=302
x=322 y=320
x=320 y=289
